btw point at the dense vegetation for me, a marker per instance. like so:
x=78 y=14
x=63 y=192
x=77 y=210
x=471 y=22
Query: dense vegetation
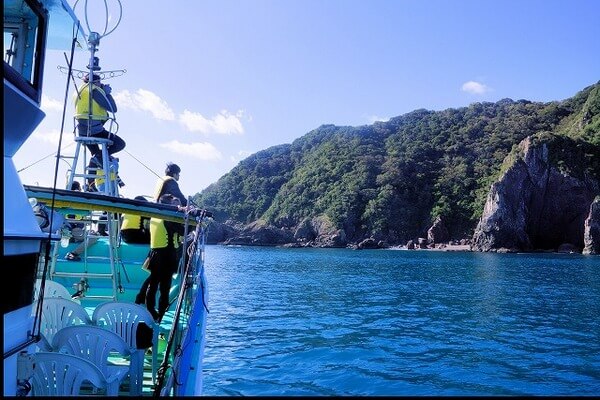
x=390 y=180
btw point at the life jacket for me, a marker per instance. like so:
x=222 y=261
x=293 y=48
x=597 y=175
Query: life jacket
x=82 y=102
x=77 y=217
x=100 y=177
x=131 y=222
x=159 y=236
x=159 y=186
x=113 y=166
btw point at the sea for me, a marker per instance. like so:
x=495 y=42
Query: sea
x=341 y=322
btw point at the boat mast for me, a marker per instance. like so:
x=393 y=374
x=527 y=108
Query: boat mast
x=112 y=220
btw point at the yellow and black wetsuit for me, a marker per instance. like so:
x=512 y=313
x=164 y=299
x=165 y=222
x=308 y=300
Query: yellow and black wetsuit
x=165 y=238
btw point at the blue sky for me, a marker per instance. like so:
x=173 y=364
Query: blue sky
x=210 y=82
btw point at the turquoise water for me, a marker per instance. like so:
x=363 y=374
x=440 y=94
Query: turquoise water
x=392 y=322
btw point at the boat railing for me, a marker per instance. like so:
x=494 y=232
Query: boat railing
x=193 y=263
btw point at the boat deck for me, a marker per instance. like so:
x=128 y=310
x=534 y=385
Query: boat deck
x=110 y=270
x=148 y=385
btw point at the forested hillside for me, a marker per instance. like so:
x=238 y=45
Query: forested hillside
x=390 y=180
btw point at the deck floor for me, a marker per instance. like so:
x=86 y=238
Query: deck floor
x=148 y=384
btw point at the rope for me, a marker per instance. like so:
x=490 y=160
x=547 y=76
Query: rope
x=162 y=370
x=142 y=164
x=71 y=144
x=37 y=324
x=43 y=158
x=72 y=77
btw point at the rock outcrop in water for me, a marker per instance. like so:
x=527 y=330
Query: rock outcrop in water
x=536 y=206
x=591 y=236
x=313 y=232
x=438 y=233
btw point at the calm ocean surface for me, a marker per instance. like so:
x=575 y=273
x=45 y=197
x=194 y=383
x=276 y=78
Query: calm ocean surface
x=393 y=322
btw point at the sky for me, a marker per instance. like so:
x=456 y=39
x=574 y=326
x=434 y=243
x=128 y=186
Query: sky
x=209 y=82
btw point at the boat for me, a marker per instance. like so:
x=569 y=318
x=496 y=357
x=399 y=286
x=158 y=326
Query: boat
x=147 y=357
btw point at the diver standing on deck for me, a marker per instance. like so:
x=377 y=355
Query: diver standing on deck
x=168 y=184
x=165 y=239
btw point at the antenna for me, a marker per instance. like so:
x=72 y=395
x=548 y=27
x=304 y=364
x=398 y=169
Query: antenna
x=93 y=43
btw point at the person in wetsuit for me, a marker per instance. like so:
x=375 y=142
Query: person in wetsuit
x=135 y=229
x=168 y=184
x=165 y=240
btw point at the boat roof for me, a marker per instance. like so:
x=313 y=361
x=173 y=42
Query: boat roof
x=89 y=201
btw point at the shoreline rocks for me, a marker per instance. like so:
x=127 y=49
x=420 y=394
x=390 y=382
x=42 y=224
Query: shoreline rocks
x=534 y=206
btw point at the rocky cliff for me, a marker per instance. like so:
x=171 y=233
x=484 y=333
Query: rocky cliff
x=421 y=180
x=535 y=205
x=539 y=203
x=591 y=237
x=311 y=232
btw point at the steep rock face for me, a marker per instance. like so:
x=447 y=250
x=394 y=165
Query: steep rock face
x=219 y=232
x=592 y=229
x=438 y=233
x=534 y=206
x=259 y=233
x=326 y=235
x=305 y=231
x=313 y=232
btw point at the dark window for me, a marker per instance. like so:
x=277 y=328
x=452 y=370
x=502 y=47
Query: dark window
x=24 y=42
x=19 y=281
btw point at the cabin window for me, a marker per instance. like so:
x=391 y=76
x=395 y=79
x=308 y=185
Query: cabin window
x=23 y=43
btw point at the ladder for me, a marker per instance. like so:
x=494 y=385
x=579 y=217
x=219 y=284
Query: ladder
x=110 y=187
x=96 y=267
x=92 y=268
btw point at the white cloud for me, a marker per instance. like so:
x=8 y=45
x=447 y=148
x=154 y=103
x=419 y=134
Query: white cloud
x=223 y=123
x=475 y=87
x=50 y=105
x=52 y=136
x=375 y=118
x=203 y=151
x=240 y=156
x=145 y=100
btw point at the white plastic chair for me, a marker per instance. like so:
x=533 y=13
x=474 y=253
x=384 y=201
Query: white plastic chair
x=53 y=289
x=58 y=313
x=123 y=319
x=95 y=344
x=56 y=374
